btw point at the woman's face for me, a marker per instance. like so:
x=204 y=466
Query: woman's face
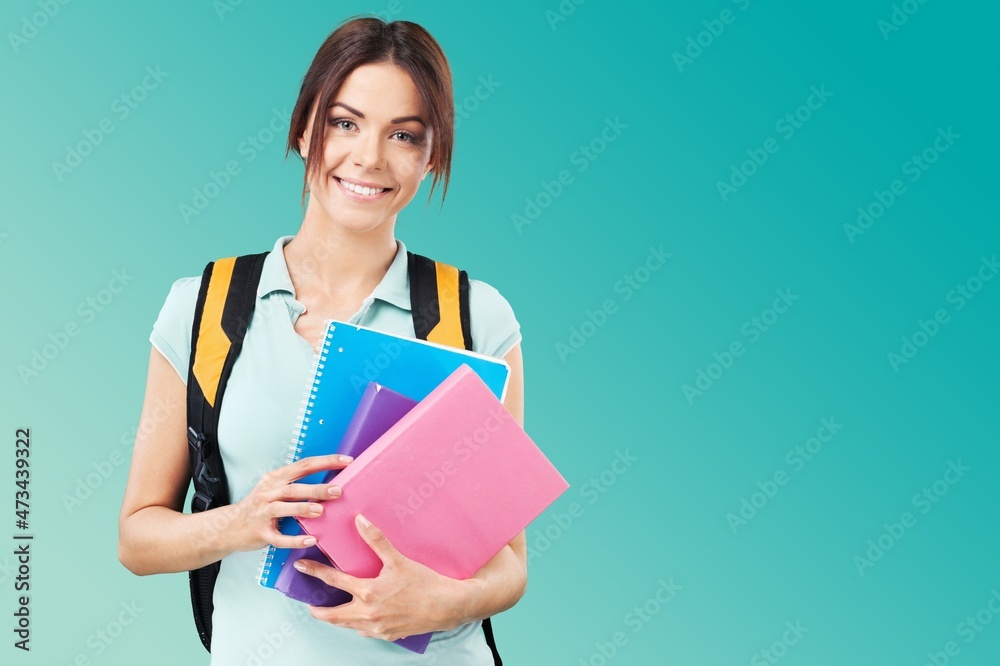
x=376 y=137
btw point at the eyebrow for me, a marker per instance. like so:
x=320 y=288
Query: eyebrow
x=395 y=121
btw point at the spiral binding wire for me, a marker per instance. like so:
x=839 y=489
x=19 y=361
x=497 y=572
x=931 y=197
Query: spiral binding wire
x=298 y=440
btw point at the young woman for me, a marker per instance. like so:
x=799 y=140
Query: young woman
x=374 y=117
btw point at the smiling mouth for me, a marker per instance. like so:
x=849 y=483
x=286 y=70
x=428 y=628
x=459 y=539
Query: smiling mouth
x=360 y=189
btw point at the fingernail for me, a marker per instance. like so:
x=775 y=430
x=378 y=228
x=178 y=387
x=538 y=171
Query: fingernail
x=346 y=458
x=298 y=565
x=364 y=521
x=333 y=490
x=315 y=508
x=309 y=541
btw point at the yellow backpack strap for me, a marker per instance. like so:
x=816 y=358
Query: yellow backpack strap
x=212 y=344
x=439 y=302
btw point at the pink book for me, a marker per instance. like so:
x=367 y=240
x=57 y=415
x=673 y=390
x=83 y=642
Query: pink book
x=451 y=483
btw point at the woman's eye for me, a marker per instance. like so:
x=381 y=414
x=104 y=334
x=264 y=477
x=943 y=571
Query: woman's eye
x=349 y=125
x=339 y=122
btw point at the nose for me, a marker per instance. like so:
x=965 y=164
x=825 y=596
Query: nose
x=367 y=152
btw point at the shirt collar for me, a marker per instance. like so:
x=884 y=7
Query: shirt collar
x=394 y=287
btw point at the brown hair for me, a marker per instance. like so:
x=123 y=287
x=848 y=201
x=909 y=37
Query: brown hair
x=367 y=40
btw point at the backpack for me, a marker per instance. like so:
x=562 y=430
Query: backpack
x=439 y=302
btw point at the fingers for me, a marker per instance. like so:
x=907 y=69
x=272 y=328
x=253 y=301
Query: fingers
x=280 y=509
x=308 y=491
x=307 y=466
x=357 y=587
x=377 y=539
x=275 y=497
x=344 y=615
x=352 y=615
x=279 y=540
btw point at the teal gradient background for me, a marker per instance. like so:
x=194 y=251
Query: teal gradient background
x=596 y=555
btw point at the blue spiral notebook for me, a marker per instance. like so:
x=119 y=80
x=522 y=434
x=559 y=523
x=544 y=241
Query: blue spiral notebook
x=349 y=358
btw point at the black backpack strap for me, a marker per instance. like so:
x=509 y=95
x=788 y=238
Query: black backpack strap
x=222 y=315
x=439 y=302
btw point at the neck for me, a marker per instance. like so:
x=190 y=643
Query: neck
x=325 y=258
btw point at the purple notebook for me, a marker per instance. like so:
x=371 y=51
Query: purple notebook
x=378 y=411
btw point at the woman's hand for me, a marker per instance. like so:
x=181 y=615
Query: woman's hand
x=254 y=518
x=406 y=597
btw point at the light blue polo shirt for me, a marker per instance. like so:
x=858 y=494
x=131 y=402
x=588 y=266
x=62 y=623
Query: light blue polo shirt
x=253 y=624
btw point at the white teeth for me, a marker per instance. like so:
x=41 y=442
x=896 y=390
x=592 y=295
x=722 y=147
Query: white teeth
x=366 y=191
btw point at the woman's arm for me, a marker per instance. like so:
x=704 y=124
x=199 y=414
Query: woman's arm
x=155 y=536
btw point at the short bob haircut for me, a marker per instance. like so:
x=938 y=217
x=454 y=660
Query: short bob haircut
x=368 y=40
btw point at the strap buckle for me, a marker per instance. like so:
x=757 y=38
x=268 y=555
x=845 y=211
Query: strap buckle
x=196 y=440
x=201 y=502
x=200 y=471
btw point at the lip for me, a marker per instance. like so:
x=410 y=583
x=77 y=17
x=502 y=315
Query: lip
x=361 y=197
x=361 y=183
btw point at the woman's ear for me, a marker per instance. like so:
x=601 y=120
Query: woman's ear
x=304 y=138
x=303 y=141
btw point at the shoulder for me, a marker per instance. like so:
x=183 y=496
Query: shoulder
x=171 y=333
x=495 y=329
x=182 y=296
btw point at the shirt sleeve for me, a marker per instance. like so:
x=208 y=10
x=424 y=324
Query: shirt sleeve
x=171 y=334
x=495 y=329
